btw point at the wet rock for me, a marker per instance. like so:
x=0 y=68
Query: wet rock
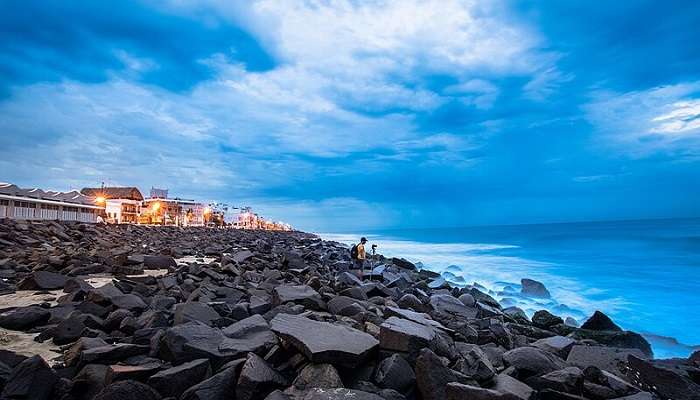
x=545 y=320
x=600 y=322
x=257 y=379
x=620 y=339
x=531 y=361
x=128 y=390
x=534 y=288
x=322 y=342
x=250 y=334
x=195 y=311
x=24 y=318
x=31 y=379
x=395 y=372
x=172 y=382
x=662 y=381
x=42 y=280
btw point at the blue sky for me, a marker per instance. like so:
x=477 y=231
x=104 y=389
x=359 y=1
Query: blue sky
x=349 y=115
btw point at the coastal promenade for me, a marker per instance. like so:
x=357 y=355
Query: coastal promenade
x=161 y=312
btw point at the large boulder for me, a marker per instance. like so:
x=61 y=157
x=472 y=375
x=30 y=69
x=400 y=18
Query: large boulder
x=567 y=380
x=432 y=376
x=531 y=361
x=474 y=363
x=192 y=341
x=621 y=339
x=318 y=376
x=600 y=322
x=218 y=387
x=42 y=280
x=558 y=345
x=402 y=335
x=545 y=320
x=395 y=372
x=533 y=288
x=610 y=359
x=159 y=262
x=258 y=379
x=195 y=311
x=447 y=304
x=32 y=379
x=172 y=382
x=24 y=318
x=323 y=342
x=665 y=382
x=111 y=354
x=507 y=384
x=249 y=334
x=299 y=294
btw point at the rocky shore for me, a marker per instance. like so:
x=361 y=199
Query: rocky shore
x=227 y=314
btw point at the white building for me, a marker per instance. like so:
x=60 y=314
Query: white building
x=36 y=204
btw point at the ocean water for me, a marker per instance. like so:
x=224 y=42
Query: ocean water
x=644 y=274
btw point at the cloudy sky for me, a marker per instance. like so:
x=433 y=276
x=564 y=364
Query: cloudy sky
x=349 y=115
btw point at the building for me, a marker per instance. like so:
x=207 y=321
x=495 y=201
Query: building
x=179 y=212
x=122 y=204
x=247 y=219
x=36 y=204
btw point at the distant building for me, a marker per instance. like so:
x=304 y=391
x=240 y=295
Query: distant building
x=159 y=193
x=122 y=204
x=36 y=204
x=179 y=212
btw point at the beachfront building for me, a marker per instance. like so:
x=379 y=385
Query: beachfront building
x=37 y=204
x=247 y=219
x=122 y=204
x=178 y=212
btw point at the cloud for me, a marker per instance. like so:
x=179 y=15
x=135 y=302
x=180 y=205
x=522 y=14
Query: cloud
x=660 y=119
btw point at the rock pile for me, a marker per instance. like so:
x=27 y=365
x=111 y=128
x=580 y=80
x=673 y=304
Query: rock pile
x=280 y=316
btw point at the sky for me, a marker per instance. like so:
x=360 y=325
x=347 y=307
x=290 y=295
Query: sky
x=361 y=115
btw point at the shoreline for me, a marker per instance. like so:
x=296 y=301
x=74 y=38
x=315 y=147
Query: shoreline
x=573 y=295
x=272 y=315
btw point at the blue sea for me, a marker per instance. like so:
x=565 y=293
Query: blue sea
x=644 y=274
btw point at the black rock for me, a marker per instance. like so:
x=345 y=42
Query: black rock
x=318 y=376
x=663 y=381
x=545 y=320
x=558 y=345
x=300 y=294
x=192 y=341
x=42 y=280
x=451 y=305
x=24 y=318
x=395 y=372
x=611 y=359
x=531 y=361
x=32 y=379
x=159 y=262
x=402 y=335
x=432 y=376
x=128 y=390
x=620 y=339
x=567 y=380
x=172 y=382
x=534 y=288
x=220 y=386
x=474 y=363
x=322 y=342
x=258 y=379
x=111 y=354
x=250 y=334
x=402 y=263
x=195 y=311
x=600 y=322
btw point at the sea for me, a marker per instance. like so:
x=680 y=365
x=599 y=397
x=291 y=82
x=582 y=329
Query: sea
x=644 y=274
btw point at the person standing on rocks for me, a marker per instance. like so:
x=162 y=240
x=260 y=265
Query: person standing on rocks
x=358 y=255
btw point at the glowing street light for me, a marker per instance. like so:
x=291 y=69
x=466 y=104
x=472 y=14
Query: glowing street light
x=100 y=199
x=155 y=206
